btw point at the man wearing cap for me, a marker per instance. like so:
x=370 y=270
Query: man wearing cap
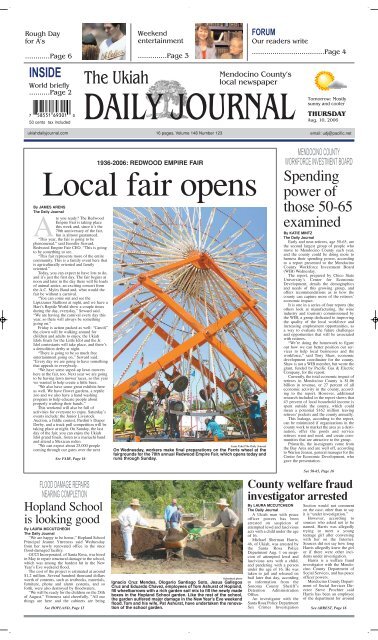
x=213 y=428
x=230 y=521
x=128 y=518
x=90 y=49
x=255 y=414
x=169 y=509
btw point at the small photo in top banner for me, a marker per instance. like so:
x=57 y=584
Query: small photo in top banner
x=222 y=41
x=104 y=41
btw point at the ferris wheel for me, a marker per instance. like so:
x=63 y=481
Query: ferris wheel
x=190 y=293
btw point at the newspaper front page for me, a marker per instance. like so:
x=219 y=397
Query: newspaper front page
x=191 y=279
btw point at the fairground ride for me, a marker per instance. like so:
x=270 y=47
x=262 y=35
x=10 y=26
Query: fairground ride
x=190 y=293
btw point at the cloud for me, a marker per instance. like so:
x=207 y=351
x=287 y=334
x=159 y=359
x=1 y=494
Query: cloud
x=336 y=84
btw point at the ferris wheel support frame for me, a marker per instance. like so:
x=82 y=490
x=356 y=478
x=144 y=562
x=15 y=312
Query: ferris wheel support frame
x=174 y=343
x=204 y=334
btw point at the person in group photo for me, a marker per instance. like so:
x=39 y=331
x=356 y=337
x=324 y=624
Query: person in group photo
x=176 y=517
x=214 y=429
x=143 y=410
x=255 y=414
x=228 y=518
x=128 y=518
x=114 y=47
x=205 y=47
x=90 y=48
x=235 y=49
x=169 y=510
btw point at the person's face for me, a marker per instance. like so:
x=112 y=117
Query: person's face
x=202 y=33
x=111 y=30
x=236 y=46
x=134 y=507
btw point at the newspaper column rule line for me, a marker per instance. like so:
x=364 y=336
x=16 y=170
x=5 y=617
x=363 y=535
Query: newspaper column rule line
x=2 y=320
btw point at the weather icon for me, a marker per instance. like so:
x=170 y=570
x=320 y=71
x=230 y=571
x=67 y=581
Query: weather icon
x=325 y=80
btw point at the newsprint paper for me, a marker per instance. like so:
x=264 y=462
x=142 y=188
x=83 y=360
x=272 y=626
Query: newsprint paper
x=188 y=320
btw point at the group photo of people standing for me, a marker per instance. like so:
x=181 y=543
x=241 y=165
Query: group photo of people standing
x=168 y=526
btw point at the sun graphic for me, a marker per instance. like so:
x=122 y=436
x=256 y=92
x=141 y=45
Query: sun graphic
x=324 y=79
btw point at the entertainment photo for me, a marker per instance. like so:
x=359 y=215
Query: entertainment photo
x=190 y=324
x=177 y=526
x=223 y=41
